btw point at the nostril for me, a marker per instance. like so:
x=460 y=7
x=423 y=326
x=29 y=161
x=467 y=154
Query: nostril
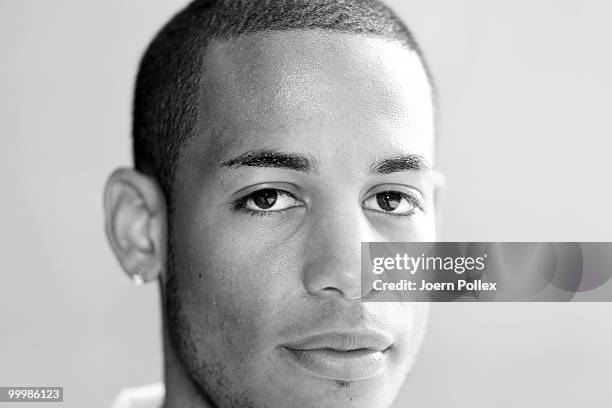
x=332 y=277
x=333 y=289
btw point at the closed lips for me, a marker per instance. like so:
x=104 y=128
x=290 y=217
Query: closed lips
x=341 y=356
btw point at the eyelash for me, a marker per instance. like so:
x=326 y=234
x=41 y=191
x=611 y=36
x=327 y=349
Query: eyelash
x=412 y=200
x=240 y=205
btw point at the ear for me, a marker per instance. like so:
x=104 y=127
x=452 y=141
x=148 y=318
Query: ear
x=136 y=224
x=439 y=195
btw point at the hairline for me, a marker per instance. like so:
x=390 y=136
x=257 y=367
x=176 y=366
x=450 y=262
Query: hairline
x=224 y=39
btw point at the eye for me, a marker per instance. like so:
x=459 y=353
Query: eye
x=267 y=200
x=392 y=203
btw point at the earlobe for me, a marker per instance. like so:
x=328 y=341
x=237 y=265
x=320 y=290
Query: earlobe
x=136 y=226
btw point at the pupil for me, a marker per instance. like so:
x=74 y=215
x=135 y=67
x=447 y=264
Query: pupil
x=389 y=200
x=265 y=199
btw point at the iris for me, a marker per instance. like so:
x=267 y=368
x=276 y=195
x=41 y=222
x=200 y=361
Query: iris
x=389 y=200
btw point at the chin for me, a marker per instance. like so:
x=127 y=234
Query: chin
x=300 y=390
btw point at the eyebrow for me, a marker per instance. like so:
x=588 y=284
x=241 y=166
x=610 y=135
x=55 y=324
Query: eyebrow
x=396 y=164
x=272 y=158
x=299 y=162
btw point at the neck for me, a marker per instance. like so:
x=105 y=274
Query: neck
x=181 y=392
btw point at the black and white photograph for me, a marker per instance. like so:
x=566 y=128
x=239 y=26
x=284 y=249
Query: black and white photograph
x=306 y=203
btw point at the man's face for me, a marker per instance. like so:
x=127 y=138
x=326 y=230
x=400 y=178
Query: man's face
x=309 y=143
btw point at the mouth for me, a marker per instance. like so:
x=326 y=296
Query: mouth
x=342 y=356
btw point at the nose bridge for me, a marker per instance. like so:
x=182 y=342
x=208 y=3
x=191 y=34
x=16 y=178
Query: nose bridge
x=332 y=266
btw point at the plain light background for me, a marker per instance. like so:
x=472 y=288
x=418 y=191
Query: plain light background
x=525 y=144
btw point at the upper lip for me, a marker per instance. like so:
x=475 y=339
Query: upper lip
x=343 y=341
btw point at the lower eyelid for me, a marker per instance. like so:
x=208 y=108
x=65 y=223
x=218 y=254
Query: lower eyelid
x=269 y=213
x=386 y=213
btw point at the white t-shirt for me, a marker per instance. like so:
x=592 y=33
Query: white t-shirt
x=146 y=396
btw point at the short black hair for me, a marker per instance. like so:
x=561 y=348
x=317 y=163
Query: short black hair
x=167 y=86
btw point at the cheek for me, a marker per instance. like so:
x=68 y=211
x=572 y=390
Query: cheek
x=410 y=321
x=234 y=282
x=419 y=228
x=406 y=318
x=426 y=228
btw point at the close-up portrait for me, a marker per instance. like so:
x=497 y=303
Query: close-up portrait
x=305 y=204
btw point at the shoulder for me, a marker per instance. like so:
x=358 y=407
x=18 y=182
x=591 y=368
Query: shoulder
x=145 y=396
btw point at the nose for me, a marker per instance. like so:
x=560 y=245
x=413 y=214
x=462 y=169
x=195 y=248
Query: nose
x=332 y=266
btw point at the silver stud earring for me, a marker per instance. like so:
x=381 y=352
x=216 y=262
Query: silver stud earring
x=138 y=279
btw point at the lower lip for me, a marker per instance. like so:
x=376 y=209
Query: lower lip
x=337 y=365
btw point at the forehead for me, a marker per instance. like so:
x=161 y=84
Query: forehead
x=307 y=88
